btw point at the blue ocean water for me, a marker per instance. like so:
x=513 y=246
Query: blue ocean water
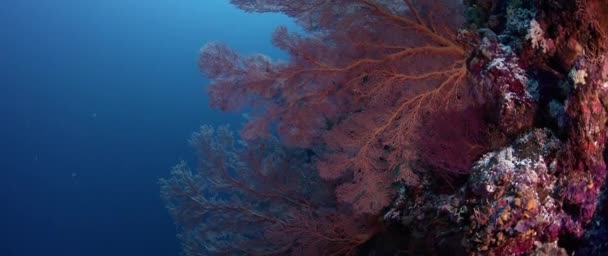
x=97 y=100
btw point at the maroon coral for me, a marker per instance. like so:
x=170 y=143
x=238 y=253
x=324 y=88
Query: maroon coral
x=358 y=91
x=502 y=80
x=376 y=96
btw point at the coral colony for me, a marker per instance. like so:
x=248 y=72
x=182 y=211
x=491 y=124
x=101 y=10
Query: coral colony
x=404 y=127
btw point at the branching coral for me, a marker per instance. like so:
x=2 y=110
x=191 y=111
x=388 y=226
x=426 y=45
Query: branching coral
x=358 y=91
x=258 y=199
x=382 y=109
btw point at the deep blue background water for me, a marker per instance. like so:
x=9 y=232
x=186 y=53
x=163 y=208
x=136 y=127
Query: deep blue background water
x=97 y=100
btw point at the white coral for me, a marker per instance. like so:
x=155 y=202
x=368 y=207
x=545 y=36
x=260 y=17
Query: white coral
x=578 y=76
x=537 y=36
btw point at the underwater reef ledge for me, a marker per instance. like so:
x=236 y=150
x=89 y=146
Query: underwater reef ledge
x=406 y=128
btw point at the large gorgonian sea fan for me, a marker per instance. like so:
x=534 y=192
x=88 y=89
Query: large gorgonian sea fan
x=356 y=87
x=256 y=198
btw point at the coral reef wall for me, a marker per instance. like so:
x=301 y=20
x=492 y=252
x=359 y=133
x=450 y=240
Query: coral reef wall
x=406 y=128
